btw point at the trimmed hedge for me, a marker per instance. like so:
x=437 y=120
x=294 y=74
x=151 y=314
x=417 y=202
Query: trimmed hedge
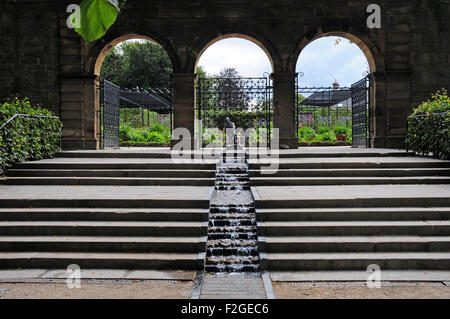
x=429 y=127
x=27 y=138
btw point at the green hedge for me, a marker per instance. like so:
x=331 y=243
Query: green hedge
x=429 y=127
x=27 y=138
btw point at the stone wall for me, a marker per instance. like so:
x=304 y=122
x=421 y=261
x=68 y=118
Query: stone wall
x=409 y=56
x=29 y=53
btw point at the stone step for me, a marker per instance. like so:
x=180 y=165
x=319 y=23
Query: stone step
x=353 y=172
x=136 y=153
x=350 y=165
x=232 y=268
x=355 y=228
x=99 y=214
x=225 y=216
x=360 y=275
x=95 y=228
x=108 y=181
x=354 y=202
x=118 y=203
x=114 y=154
x=111 y=165
x=356 y=261
x=353 y=214
x=153 y=173
x=230 y=260
x=354 y=244
x=231 y=229
x=53 y=260
x=232 y=222
x=231 y=243
x=232 y=251
x=102 y=244
x=237 y=235
x=285 y=181
x=335 y=153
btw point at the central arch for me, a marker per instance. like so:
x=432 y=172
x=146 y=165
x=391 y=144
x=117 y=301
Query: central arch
x=265 y=46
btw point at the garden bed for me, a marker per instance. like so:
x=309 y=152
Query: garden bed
x=141 y=144
x=319 y=144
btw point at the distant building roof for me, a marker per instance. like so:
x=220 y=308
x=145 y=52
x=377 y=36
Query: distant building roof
x=328 y=97
x=156 y=101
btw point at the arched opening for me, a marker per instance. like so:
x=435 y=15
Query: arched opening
x=234 y=85
x=237 y=44
x=133 y=103
x=335 y=95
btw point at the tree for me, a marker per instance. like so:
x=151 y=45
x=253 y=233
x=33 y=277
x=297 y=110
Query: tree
x=141 y=64
x=201 y=72
x=231 y=93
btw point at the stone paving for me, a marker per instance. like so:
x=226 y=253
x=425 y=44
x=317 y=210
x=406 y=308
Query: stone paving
x=233 y=286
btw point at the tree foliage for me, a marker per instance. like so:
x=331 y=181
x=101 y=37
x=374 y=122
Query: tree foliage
x=137 y=64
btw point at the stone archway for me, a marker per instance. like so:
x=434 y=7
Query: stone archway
x=96 y=64
x=377 y=68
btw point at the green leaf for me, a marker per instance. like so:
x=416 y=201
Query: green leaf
x=96 y=17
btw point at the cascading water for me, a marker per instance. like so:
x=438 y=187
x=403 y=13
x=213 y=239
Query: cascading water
x=232 y=237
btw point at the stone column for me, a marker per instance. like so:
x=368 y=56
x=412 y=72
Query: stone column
x=183 y=103
x=284 y=108
x=79 y=95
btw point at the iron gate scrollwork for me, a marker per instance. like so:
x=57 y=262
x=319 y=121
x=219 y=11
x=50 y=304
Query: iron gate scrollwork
x=360 y=112
x=247 y=101
x=110 y=104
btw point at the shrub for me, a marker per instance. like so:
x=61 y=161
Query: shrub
x=27 y=138
x=306 y=134
x=323 y=129
x=325 y=137
x=156 y=138
x=155 y=134
x=340 y=129
x=429 y=127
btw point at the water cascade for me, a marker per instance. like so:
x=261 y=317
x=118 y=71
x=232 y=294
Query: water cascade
x=232 y=233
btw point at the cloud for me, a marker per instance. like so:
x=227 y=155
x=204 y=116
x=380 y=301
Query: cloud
x=248 y=58
x=322 y=61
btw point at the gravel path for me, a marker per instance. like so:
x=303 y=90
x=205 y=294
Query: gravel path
x=285 y=290
x=176 y=290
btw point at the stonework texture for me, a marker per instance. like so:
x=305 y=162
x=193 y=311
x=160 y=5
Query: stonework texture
x=42 y=59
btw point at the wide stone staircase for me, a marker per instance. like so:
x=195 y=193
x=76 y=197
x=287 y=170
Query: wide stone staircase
x=344 y=212
x=100 y=210
x=330 y=209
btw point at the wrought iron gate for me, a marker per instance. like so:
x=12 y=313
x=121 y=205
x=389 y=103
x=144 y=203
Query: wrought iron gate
x=360 y=112
x=246 y=101
x=109 y=119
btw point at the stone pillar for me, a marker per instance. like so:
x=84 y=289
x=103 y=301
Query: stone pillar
x=79 y=102
x=284 y=108
x=183 y=102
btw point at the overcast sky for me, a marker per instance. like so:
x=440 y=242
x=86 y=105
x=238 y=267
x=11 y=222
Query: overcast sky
x=322 y=61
